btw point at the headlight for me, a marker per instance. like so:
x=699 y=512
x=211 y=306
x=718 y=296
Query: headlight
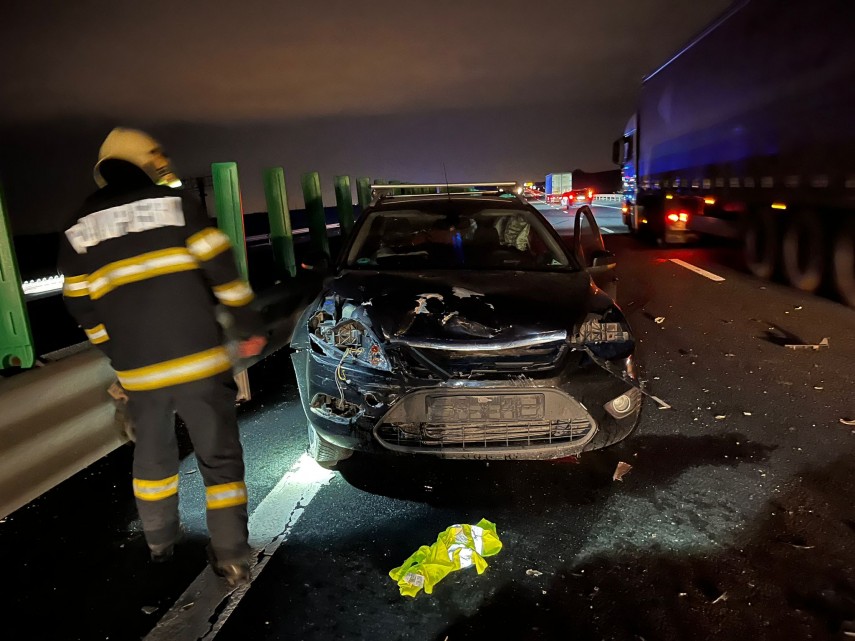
x=607 y=336
x=348 y=337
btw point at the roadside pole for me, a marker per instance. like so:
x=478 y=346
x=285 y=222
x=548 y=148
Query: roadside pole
x=16 y=339
x=363 y=193
x=281 y=237
x=230 y=220
x=344 y=204
x=311 y=183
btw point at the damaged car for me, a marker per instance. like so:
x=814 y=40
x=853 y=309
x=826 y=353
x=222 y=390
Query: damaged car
x=461 y=326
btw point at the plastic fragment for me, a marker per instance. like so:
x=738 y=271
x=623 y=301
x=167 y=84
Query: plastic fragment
x=847 y=421
x=720 y=417
x=149 y=609
x=721 y=597
x=533 y=572
x=815 y=347
x=621 y=470
x=659 y=320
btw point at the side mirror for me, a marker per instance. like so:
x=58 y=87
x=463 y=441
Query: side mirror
x=604 y=259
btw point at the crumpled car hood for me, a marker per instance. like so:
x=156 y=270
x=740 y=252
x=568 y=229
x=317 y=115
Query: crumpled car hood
x=469 y=305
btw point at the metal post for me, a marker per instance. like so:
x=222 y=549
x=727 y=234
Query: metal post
x=344 y=204
x=230 y=210
x=311 y=183
x=16 y=339
x=280 y=220
x=363 y=193
x=230 y=220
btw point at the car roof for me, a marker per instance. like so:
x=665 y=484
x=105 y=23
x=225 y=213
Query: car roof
x=437 y=202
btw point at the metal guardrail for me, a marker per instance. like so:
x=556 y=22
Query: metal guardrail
x=56 y=420
x=618 y=198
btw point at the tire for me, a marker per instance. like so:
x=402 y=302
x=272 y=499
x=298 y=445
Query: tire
x=803 y=251
x=760 y=244
x=843 y=263
x=326 y=454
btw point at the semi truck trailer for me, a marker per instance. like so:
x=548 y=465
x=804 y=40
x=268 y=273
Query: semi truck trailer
x=749 y=132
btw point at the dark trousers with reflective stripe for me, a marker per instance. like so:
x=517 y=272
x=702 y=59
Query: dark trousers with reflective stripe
x=208 y=409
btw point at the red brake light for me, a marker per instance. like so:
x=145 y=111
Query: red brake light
x=684 y=217
x=673 y=218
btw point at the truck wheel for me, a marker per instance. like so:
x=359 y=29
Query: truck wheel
x=326 y=454
x=760 y=246
x=844 y=263
x=802 y=252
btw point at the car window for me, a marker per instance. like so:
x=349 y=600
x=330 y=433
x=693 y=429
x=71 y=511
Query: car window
x=479 y=239
x=588 y=240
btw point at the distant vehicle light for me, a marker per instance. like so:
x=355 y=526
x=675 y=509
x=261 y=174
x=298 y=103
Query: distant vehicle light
x=673 y=218
x=779 y=205
x=624 y=209
x=669 y=196
x=709 y=201
x=683 y=216
x=643 y=221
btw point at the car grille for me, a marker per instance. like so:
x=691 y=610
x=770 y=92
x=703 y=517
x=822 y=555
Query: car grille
x=438 y=420
x=535 y=358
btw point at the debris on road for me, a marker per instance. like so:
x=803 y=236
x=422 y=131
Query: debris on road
x=720 y=417
x=847 y=421
x=729 y=355
x=746 y=413
x=621 y=470
x=815 y=347
x=721 y=597
x=533 y=573
x=662 y=404
x=458 y=547
x=149 y=609
x=659 y=320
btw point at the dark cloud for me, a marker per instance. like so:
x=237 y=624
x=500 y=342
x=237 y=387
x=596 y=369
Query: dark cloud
x=492 y=87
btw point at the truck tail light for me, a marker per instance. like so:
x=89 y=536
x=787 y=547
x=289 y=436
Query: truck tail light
x=624 y=209
x=681 y=217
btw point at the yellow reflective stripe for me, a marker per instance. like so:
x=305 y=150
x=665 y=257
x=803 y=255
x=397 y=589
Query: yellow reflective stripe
x=75 y=286
x=142 y=267
x=208 y=243
x=234 y=294
x=156 y=490
x=226 y=495
x=97 y=334
x=179 y=370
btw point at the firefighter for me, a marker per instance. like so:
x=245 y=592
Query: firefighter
x=144 y=271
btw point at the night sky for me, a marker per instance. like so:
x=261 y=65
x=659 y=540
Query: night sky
x=495 y=89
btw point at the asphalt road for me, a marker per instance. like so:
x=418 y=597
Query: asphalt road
x=737 y=520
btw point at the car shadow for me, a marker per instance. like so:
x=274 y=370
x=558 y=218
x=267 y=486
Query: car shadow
x=656 y=460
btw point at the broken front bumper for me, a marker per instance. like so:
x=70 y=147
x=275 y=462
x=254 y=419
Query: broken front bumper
x=515 y=418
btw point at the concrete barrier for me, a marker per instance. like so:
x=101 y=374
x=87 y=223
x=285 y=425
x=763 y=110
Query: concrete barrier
x=55 y=421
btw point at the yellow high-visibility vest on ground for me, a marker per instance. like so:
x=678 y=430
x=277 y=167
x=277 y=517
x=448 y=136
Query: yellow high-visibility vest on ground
x=459 y=546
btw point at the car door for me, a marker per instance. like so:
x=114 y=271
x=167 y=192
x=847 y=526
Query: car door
x=591 y=250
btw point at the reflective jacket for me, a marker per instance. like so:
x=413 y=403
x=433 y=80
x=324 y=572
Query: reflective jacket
x=144 y=271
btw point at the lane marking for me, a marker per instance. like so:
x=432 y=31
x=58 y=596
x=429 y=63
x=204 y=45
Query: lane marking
x=697 y=270
x=192 y=615
x=607 y=230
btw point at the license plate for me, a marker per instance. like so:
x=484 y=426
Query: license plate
x=485 y=408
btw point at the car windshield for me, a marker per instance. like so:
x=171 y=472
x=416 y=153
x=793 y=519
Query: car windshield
x=477 y=239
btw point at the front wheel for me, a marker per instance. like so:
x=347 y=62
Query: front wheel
x=326 y=454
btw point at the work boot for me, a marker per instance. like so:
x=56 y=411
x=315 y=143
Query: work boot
x=236 y=573
x=164 y=552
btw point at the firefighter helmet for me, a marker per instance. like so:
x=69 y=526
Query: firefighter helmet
x=139 y=149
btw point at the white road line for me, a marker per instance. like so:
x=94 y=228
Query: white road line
x=607 y=206
x=270 y=524
x=697 y=270
x=607 y=230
